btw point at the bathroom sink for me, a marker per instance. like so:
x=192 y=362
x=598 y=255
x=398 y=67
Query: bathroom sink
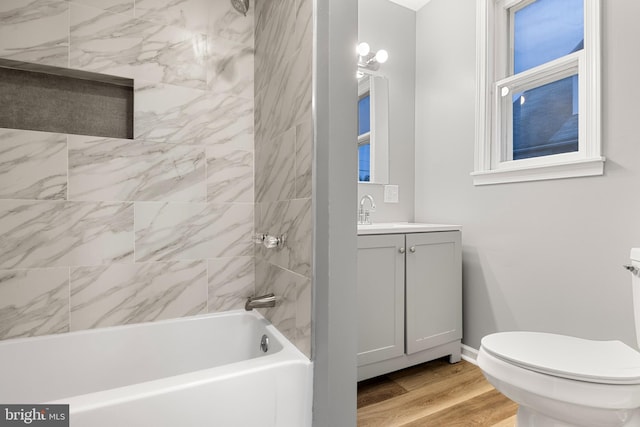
x=403 y=227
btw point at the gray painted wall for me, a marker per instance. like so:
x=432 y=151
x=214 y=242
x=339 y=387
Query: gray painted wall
x=334 y=259
x=386 y=25
x=545 y=255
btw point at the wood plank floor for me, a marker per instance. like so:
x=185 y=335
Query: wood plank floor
x=435 y=394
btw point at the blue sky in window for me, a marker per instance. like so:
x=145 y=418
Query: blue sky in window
x=364 y=115
x=364 y=163
x=546 y=30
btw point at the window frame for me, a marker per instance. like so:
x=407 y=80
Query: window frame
x=494 y=71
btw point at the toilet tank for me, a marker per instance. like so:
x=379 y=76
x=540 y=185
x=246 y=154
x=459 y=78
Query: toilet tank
x=635 y=284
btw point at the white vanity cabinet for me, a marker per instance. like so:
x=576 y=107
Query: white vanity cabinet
x=409 y=299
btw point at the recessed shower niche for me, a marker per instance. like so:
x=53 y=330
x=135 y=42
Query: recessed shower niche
x=53 y=99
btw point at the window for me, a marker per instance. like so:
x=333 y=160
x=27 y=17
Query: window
x=537 y=112
x=364 y=137
x=373 y=128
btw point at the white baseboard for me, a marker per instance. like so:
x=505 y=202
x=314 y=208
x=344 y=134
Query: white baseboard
x=469 y=354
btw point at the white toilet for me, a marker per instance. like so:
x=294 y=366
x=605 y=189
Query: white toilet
x=563 y=381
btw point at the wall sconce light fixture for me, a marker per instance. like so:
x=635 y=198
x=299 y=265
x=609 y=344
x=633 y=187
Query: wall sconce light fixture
x=368 y=59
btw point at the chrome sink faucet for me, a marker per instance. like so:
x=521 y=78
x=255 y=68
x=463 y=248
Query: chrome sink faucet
x=364 y=215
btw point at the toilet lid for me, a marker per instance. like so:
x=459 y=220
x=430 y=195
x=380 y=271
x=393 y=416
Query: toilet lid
x=605 y=362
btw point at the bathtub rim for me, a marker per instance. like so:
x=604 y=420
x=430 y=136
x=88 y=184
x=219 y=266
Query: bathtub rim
x=151 y=323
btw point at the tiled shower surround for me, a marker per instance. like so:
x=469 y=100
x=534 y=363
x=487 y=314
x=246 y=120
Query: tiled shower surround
x=99 y=231
x=283 y=153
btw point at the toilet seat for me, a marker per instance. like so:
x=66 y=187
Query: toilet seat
x=602 y=362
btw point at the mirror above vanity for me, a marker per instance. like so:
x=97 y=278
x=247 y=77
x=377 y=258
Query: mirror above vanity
x=389 y=27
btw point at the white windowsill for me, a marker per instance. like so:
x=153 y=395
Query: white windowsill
x=587 y=167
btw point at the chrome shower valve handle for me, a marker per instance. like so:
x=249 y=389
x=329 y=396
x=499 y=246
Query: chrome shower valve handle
x=271 y=242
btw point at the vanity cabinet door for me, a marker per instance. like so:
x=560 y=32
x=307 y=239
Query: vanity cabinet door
x=434 y=290
x=380 y=297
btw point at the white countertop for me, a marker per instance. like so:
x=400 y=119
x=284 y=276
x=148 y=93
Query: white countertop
x=403 y=227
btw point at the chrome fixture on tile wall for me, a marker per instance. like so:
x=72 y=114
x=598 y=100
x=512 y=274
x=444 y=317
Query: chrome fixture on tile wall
x=271 y=242
x=241 y=6
x=262 y=301
x=368 y=59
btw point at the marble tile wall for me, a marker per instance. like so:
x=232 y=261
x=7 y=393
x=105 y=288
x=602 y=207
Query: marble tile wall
x=283 y=161
x=100 y=231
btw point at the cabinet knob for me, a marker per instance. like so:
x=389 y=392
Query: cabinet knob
x=412 y=249
x=401 y=250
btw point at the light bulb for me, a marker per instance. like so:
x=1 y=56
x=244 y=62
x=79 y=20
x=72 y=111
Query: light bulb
x=382 y=56
x=363 y=49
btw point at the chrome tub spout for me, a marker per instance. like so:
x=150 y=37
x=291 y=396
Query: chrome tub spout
x=263 y=301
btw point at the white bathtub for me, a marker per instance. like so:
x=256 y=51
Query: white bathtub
x=200 y=371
